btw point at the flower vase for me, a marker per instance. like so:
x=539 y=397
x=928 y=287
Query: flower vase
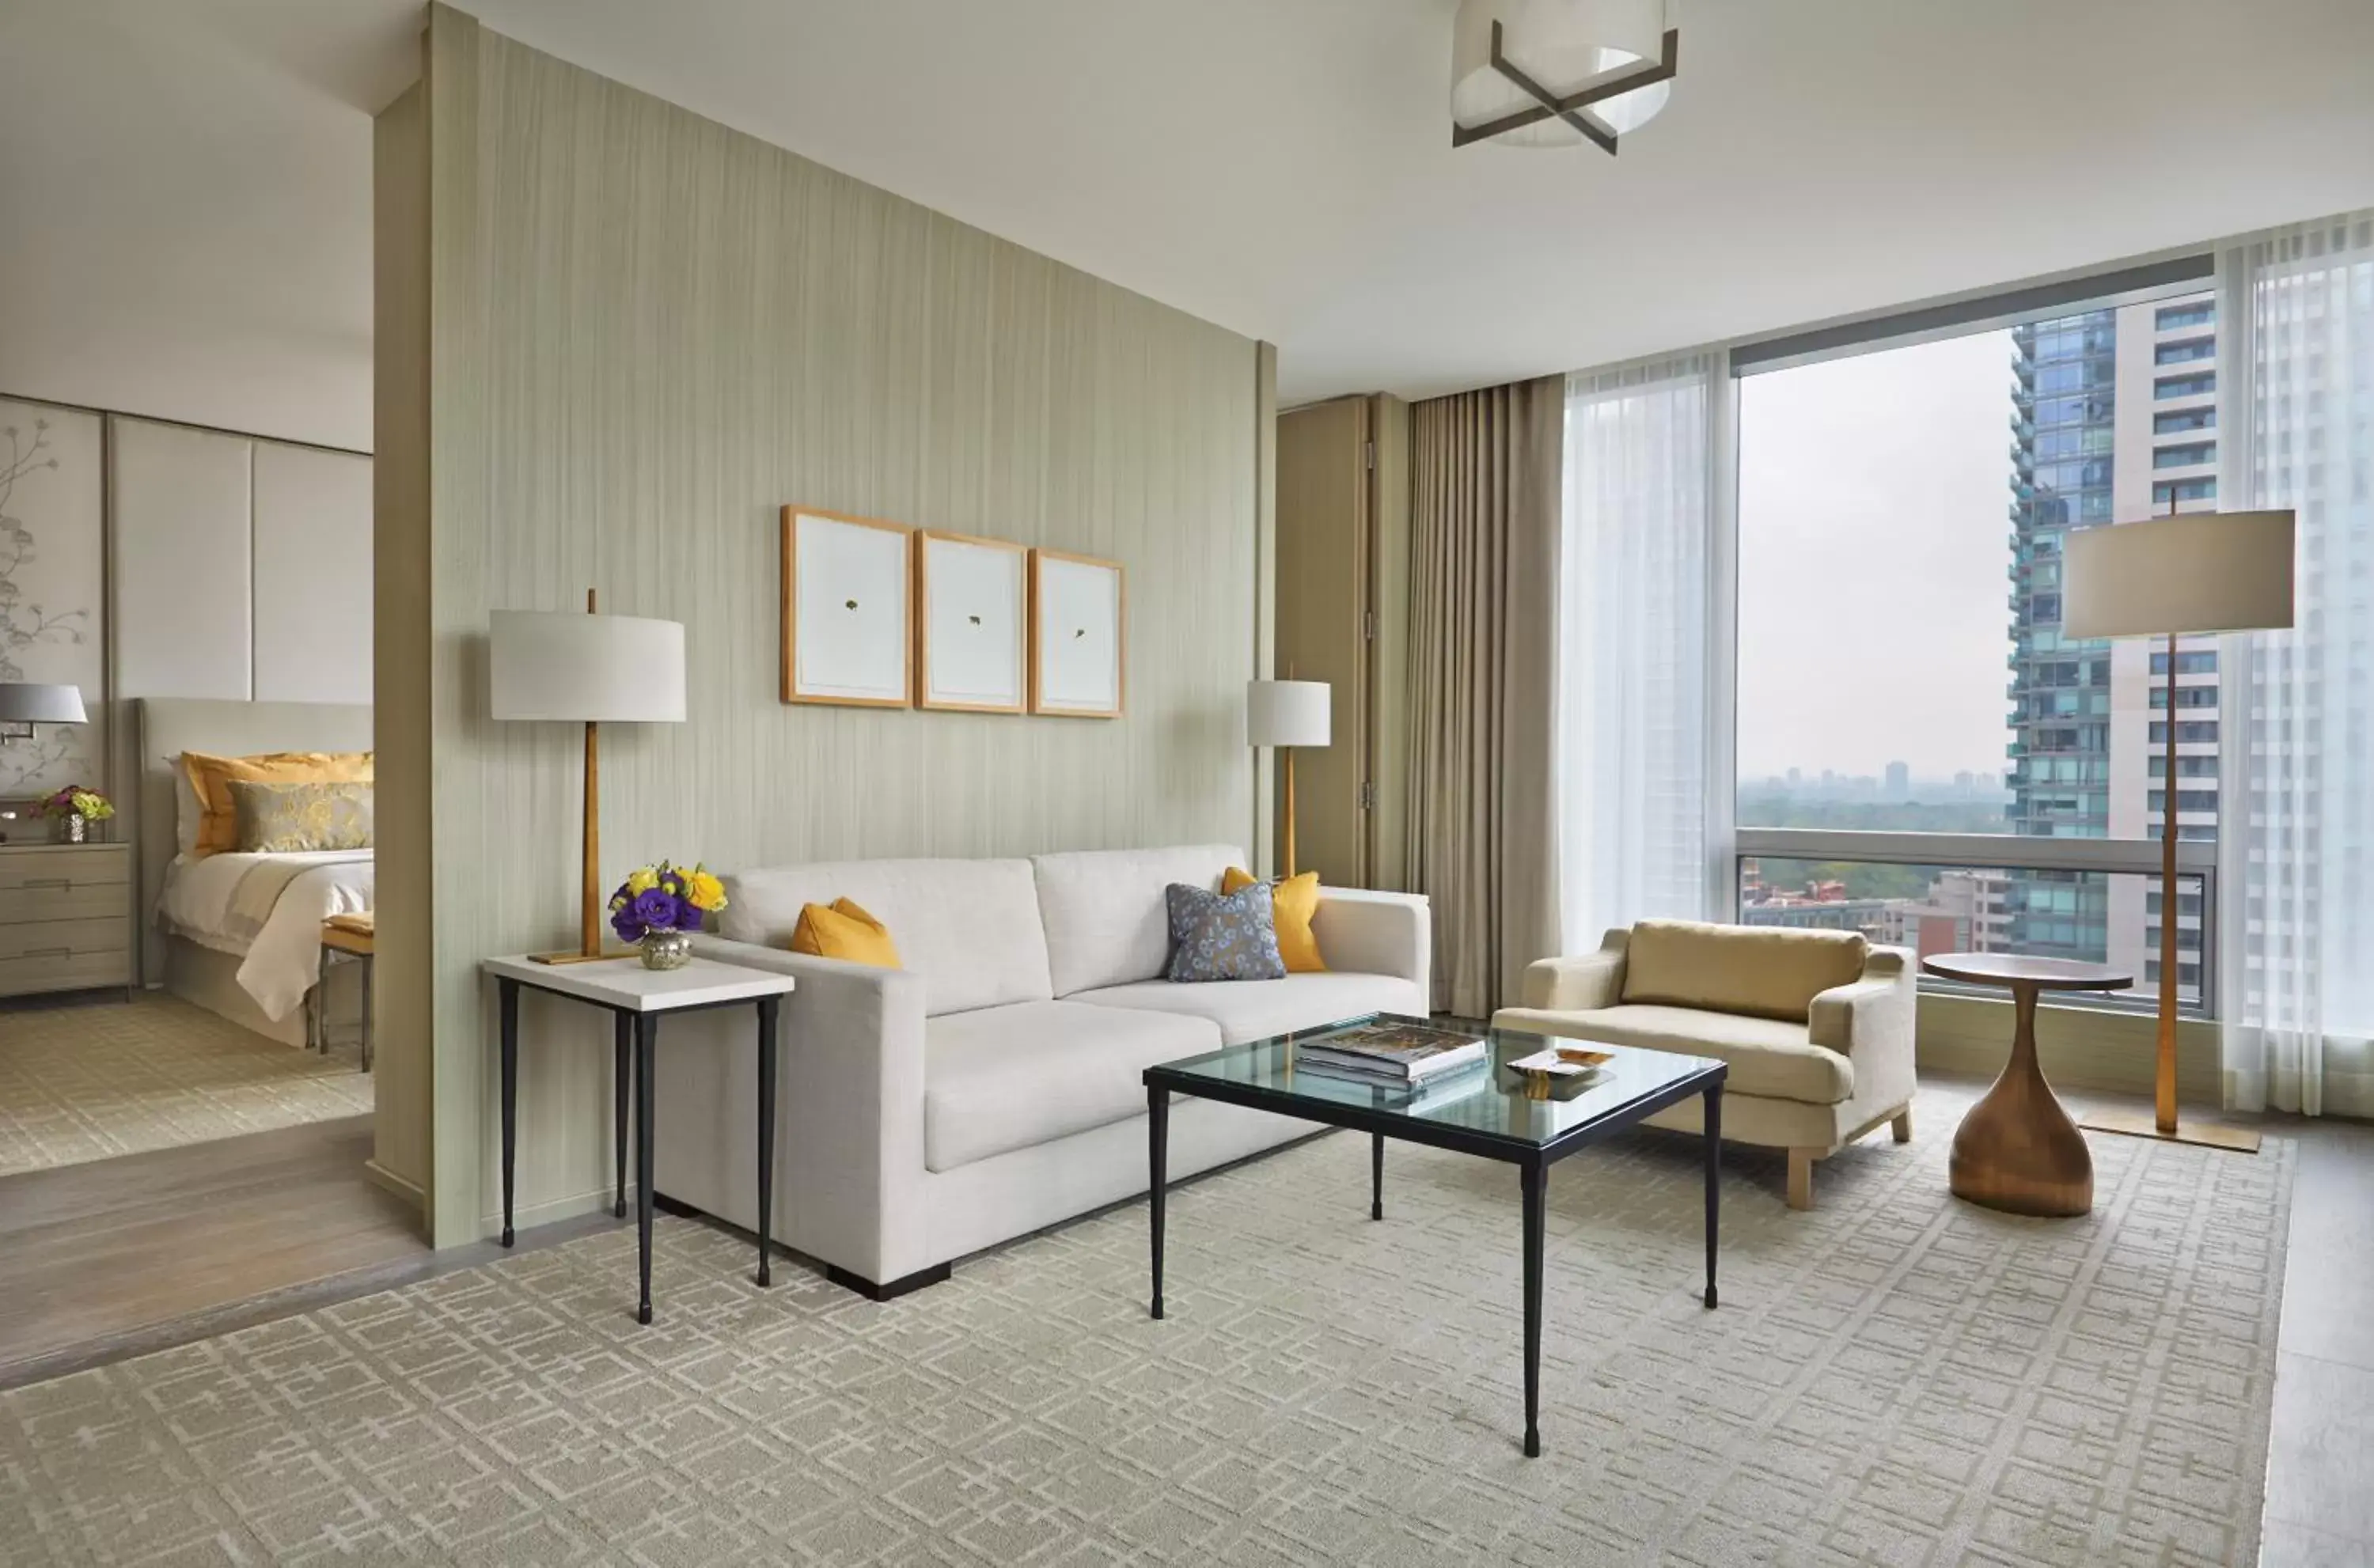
x=667 y=950
x=74 y=828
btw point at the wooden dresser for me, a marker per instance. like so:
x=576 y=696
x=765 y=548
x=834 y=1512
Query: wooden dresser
x=66 y=918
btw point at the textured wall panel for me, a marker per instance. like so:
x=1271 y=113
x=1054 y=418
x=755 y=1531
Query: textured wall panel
x=650 y=333
x=312 y=575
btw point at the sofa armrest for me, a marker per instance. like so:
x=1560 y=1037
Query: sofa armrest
x=1375 y=933
x=1874 y=1013
x=850 y=1128
x=1580 y=984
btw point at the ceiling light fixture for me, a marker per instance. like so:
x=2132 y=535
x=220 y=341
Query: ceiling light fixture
x=1558 y=73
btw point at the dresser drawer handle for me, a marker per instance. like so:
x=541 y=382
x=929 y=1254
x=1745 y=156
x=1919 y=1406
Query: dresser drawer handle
x=62 y=884
x=47 y=953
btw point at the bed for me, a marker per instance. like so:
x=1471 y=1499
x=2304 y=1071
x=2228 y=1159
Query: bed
x=241 y=935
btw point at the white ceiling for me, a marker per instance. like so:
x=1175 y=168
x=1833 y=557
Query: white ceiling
x=1284 y=167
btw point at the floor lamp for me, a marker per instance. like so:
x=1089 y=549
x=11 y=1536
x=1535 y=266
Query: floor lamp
x=588 y=668
x=1287 y=714
x=2194 y=573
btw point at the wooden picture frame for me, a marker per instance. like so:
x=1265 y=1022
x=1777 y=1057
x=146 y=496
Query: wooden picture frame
x=1079 y=642
x=972 y=623
x=851 y=570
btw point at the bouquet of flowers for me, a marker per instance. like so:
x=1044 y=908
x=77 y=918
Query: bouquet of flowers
x=663 y=898
x=76 y=800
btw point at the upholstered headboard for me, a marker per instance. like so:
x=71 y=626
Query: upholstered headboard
x=171 y=725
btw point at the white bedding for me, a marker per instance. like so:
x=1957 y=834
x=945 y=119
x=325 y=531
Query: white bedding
x=269 y=910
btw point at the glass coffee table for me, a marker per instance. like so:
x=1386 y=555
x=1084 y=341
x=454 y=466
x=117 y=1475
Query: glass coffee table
x=1493 y=1112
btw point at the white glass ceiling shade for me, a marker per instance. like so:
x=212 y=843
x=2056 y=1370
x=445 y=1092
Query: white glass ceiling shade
x=2194 y=572
x=1287 y=713
x=32 y=702
x=556 y=664
x=1561 y=45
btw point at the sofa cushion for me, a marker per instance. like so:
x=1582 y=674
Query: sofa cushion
x=1254 y=1010
x=1216 y=937
x=969 y=928
x=1751 y=969
x=1769 y=1057
x=1106 y=923
x=1008 y=1078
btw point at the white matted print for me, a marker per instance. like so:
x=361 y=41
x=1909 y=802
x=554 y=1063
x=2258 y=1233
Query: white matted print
x=847 y=636
x=973 y=606
x=1078 y=647
x=52 y=548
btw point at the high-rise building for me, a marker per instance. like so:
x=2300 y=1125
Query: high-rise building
x=2113 y=420
x=1899 y=781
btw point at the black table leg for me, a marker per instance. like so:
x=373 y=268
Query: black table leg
x=622 y=1078
x=1157 y=1138
x=1535 y=1179
x=646 y=1032
x=508 y=991
x=1713 y=1178
x=769 y=1007
x=1376 y=1175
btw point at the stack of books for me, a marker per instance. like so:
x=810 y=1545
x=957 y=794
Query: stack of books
x=1393 y=1055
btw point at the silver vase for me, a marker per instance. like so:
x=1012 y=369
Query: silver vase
x=667 y=950
x=74 y=828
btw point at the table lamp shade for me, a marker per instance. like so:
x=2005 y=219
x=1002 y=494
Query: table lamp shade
x=1287 y=713
x=2195 y=572
x=557 y=665
x=27 y=703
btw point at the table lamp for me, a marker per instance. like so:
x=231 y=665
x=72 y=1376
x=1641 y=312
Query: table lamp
x=2196 y=572
x=1287 y=714
x=589 y=669
x=25 y=704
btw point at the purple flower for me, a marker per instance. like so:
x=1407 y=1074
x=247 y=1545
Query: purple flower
x=629 y=928
x=658 y=910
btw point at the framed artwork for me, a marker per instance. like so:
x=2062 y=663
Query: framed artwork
x=848 y=614
x=1078 y=654
x=52 y=576
x=972 y=611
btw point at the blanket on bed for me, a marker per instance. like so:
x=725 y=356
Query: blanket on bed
x=270 y=908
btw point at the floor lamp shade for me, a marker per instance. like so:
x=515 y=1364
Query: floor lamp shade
x=2195 y=572
x=28 y=703
x=556 y=664
x=1287 y=713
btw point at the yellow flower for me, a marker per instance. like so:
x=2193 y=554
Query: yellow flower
x=642 y=880
x=706 y=892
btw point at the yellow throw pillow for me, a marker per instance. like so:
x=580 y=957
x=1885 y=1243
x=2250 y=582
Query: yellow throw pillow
x=846 y=932
x=210 y=779
x=1295 y=900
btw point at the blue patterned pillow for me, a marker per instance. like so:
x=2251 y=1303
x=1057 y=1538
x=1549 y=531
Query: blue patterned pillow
x=1223 y=938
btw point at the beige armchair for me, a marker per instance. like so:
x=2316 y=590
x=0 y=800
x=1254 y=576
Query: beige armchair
x=1816 y=1025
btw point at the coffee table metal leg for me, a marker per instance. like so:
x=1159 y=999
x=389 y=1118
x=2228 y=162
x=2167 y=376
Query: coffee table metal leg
x=1157 y=1138
x=1713 y=1180
x=1535 y=1179
x=769 y=1007
x=1376 y=1175
x=622 y=1081
x=646 y=1033
x=509 y=993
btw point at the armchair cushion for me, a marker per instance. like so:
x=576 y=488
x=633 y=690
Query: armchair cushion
x=1768 y=1057
x=1754 y=971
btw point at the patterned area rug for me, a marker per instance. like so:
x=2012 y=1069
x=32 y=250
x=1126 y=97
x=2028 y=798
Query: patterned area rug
x=92 y=1080
x=1895 y=1378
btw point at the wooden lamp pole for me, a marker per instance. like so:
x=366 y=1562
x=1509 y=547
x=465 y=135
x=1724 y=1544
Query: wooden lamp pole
x=589 y=940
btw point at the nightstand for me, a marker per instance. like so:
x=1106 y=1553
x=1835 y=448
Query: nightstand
x=66 y=918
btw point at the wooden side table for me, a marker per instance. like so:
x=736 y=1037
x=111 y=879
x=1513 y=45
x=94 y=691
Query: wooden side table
x=2017 y=1151
x=636 y=998
x=345 y=938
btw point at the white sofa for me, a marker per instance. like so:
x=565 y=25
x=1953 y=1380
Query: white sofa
x=989 y=1087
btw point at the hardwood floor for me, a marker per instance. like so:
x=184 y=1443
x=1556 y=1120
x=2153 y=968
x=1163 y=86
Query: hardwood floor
x=99 y=1252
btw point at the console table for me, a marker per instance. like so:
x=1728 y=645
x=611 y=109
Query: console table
x=636 y=999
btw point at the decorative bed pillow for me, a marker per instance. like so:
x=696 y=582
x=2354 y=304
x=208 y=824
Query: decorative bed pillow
x=211 y=778
x=1294 y=901
x=300 y=818
x=1218 y=936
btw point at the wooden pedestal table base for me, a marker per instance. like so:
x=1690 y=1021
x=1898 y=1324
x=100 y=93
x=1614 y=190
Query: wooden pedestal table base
x=2017 y=1149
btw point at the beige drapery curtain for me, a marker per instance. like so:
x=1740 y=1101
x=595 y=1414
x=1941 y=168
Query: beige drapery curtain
x=1485 y=470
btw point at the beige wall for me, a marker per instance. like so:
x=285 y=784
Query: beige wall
x=648 y=333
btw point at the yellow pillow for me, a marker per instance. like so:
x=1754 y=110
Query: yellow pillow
x=210 y=779
x=844 y=931
x=1295 y=900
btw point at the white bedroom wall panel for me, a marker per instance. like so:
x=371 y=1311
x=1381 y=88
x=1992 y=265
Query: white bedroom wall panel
x=184 y=562
x=312 y=578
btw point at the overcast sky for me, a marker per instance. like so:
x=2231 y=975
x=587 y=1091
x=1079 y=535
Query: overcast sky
x=1874 y=539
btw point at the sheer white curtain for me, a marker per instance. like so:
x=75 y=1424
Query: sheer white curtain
x=1638 y=628
x=2297 y=851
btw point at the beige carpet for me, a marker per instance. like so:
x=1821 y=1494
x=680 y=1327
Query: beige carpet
x=89 y=1081
x=1896 y=1378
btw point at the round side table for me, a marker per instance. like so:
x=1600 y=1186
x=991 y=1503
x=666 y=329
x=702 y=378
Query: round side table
x=2017 y=1151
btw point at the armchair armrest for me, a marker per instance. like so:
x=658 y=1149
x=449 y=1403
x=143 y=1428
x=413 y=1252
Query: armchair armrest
x=849 y=1129
x=1375 y=933
x=1580 y=984
x=1872 y=1011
